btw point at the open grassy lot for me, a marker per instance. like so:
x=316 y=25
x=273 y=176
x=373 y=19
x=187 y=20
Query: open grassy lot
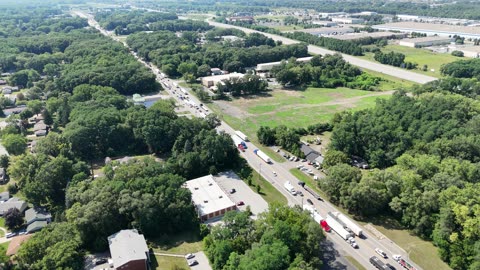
x=183 y=243
x=268 y=192
x=168 y=263
x=421 y=57
x=293 y=108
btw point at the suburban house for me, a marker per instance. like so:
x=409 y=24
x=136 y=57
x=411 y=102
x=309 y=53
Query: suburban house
x=37 y=219
x=40 y=129
x=35 y=119
x=13 y=203
x=216 y=71
x=3 y=82
x=311 y=155
x=14 y=110
x=129 y=250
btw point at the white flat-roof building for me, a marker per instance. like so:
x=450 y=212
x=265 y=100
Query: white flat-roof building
x=374 y=35
x=424 y=41
x=210 y=81
x=332 y=14
x=431 y=29
x=347 y=20
x=328 y=31
x=268 y=66
x=209 y=199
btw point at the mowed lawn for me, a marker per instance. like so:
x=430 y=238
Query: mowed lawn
x=294 y=108
x=421 y=57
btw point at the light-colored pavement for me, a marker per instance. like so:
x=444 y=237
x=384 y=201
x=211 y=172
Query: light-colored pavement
x=366 y=246
x=202 y=260
x=229 y=180
x=362 y=63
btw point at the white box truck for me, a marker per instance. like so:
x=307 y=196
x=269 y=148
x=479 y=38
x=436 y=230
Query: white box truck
x=241 y=135
x=349 y=223
x=288 y=186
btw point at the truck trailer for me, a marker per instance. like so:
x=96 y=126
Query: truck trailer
x=241 y=135
x=378 y=263
x=349 y=223
x=262 y=155
x=288 y=186
x=337 y=227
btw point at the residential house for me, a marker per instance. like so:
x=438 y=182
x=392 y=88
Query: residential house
x=129 y=250
x=309 y=153
x=35 y=119
x=40 y=129
x=14 y=110
x=13 y=202
x=3 y=82
x=37 y=219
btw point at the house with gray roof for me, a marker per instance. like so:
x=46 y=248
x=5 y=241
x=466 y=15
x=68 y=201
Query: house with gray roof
x=4 y=196
x=12 y=203
x=309 y=153
x=36 y=226
x=129 y=250
x=37 y=214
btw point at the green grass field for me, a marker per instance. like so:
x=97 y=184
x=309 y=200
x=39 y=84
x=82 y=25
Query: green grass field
x=421 y=57
x=294 y=108
x=268 y=192
x=169 y=263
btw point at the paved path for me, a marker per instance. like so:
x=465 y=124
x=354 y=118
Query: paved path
x=359 y=62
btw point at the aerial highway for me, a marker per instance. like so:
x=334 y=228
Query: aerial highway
x=282 y=174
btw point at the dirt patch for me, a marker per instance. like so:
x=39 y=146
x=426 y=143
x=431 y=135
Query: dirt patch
x=232 y=110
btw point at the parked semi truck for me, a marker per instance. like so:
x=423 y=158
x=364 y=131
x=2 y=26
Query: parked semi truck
x=241 y=135
x=337 y=227
x=348 y=223
x=262 y=155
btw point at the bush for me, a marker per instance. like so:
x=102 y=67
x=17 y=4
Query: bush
x=458 y=53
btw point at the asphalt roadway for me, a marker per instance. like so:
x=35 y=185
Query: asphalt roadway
x=338 y=246
x=361 y=63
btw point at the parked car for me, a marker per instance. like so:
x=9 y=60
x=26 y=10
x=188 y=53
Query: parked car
x=310 y=201
x=301 y=183
x=10 y=235
x=192 y=262
x=381 y=253
x=232 y=191
x=240 y=203
x=189 y=256
x=100 y=261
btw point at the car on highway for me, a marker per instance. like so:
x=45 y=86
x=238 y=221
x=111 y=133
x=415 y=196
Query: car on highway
x=189 y=256
x=232 y=191
x=240 y=203
x=310 y=201
x=300 y=193
x=301 y=183
x=381 y=253
x=396 y=257
x=274 y=173
x=192 y=262
x=391 y=267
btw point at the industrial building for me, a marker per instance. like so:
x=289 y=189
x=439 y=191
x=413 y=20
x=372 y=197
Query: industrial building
x=210 y=81
x=332 y=14
x=431 y=29
x=264 y=67
x=424 y=41
x=209 y=199
x=328 y=31
x=468 y=51
x=347 y=20
x=374 y=35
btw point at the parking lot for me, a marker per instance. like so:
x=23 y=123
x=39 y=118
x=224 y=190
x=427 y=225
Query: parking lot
x=229 y=180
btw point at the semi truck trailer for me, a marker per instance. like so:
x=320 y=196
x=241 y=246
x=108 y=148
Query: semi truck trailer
x=262 y=155
x=237 y=141
x=337 y=227
x=241 y=135
x=349 y=223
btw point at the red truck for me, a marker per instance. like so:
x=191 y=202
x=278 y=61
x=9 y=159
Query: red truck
x=325 y=226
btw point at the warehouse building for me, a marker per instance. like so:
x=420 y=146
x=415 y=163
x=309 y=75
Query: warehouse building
x=328 y=31
x=209 y=199
x=264 y=67
x=347 y=20
x=469 y=51
x=374 y=35
x=210 y=81
x=431 y=29
x=425 y=41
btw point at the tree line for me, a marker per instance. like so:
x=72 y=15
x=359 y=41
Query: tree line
x=329 y=71
x=462 y=69
x=394 y=59
x=125 y=22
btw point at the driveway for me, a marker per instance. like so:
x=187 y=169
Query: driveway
x=229 y=180
x=202 y=260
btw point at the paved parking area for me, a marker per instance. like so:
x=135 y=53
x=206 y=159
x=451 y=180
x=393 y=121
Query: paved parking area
x=202 y=260
x=230 y=180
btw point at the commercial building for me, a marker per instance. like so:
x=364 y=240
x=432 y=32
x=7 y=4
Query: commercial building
x=332 y=14
x=247 y=19
x=129 y=250
x=209 y=199
x=347 y=20
x=431 y=29
x=210 y=81
x=424 y=41
x=328 y=31
x=469 y=51
x=374 y=35
x=268 y=66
